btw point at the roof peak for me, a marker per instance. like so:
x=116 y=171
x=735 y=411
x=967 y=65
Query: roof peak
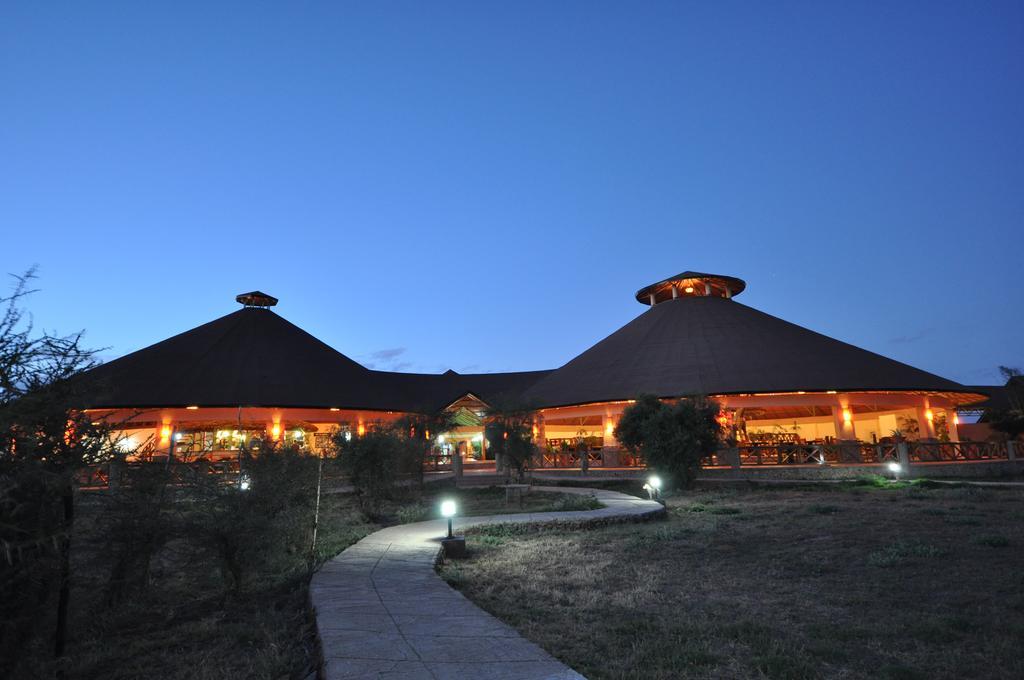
x=256 y=298
x=690 y=284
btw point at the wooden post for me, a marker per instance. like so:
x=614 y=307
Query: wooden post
x=457 y=463
x=1011 y=450
x=903 y=453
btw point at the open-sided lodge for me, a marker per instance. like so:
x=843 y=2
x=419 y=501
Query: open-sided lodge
x=790 y=396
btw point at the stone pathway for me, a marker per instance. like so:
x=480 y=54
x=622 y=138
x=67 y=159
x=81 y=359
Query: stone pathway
x=383 y=612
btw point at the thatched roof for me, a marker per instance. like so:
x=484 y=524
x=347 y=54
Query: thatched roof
x=713 y=345
x=253 y=357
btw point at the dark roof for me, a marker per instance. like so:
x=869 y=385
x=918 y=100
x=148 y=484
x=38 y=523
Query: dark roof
x=427 y=392
x=712 y=345
x=1000 y=397
x=253 y=357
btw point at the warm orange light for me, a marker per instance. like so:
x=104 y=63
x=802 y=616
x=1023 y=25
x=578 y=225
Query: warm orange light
x=929 y=415
x=847 y=416
x=536 y=430
x=831 y=392
x=69 y=433
x=504 y=435
x=165 y=433
x=956 y=419
x=275 y=431
x=426 y=435
x=192 y=408
x=689 y=289
x=335 y=408
x=609 y=428
x=360 y=430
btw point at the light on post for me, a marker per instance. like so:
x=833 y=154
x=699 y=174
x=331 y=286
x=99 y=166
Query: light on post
x=653 y=487
x=448 y=512
x=895 y=468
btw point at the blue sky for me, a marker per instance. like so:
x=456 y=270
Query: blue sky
x=483 y=186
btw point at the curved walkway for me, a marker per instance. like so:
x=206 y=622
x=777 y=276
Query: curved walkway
x=383 y=612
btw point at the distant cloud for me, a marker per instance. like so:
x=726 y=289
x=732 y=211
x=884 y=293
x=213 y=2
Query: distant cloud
x=385 y=358
x=387 y=354
x=906 y=339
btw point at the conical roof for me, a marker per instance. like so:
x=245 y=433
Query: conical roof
x=714 y=345
x=251 y=357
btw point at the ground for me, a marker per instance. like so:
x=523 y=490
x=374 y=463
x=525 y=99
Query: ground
x=850 y=581
x=183 y=625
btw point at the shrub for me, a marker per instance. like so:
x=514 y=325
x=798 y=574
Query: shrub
x=371 y=461
x=671 y=438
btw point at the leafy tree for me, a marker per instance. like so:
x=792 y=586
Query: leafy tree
x=509 y=433
x=671 y=438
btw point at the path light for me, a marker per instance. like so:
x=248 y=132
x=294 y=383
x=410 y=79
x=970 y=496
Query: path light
x=244 y=483
x=448 y=511
x=653 y=486
x=895 y=468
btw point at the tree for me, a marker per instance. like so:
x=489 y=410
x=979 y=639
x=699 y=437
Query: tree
x=508 y=429
x=45 y=442
x=257 y=527
x=671 y=438
x=371 y=461
x=418 y=434
x=1010 y=419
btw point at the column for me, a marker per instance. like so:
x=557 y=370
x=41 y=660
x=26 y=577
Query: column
x=609 y=451
x=541 y=439
x=951 y=418
x=925 y=426
x=842 y=418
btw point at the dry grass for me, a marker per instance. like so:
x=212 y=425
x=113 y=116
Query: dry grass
x=182 y=626
x=853 y=582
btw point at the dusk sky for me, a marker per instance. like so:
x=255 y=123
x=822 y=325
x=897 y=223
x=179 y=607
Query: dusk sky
x=484 y=186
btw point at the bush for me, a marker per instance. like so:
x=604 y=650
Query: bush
x=372 y=462
x=671 y=438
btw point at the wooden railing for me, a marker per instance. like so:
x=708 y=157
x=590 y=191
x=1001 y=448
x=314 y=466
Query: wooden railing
x=854 y=453
x=934 y=452
x=558 y=458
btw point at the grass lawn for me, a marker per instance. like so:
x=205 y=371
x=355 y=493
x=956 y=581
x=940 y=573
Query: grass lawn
x=183 y=626
x=846 y=582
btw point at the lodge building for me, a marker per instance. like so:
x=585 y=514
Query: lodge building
x=252 y=377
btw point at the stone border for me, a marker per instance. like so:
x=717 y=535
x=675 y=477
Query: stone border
x=382 y=611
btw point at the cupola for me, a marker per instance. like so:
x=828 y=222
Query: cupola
x=690 y=284
x=256 y=299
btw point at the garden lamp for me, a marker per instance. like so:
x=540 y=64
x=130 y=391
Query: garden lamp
x=895 y=468
x=448 y=511
x=653 y=486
